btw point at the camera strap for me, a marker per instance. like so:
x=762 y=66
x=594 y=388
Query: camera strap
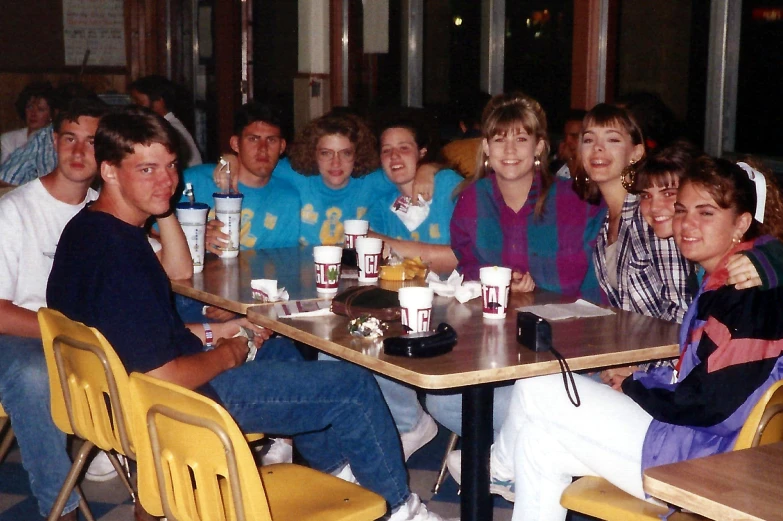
x=568 y=377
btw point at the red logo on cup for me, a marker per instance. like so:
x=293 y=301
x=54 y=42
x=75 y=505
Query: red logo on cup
x=350 y=240
x=326 y=275
x=491 y=296
x=371 y=264
x=422 y=317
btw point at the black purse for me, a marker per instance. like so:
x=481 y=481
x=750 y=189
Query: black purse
x=422 y=345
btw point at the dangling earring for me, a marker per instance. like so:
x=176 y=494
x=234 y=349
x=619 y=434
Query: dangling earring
x=486 y=164
x=537 y=165
x=628 y=176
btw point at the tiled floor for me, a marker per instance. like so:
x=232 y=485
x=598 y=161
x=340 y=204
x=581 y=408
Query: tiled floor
x=109 y=501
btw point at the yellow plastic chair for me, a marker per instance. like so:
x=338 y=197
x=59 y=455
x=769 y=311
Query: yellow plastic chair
x=89 y=395
x=6 y=434
x=194 y=464
x=597 y=497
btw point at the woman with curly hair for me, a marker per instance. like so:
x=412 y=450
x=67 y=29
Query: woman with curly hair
x=332 y=153
x=35 y=107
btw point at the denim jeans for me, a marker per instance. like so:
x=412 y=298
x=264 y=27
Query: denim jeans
x=333 y=410
x=447 y=408
x=24 y=393
x=403 y=401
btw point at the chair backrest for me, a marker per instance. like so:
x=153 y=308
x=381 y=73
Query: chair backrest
x=88 y=382
x=193 y=461
x=765 y=421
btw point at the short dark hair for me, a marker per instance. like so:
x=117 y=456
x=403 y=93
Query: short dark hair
x=575 y=115
x=666 y=166
x=121 y=130
x=78 y=107
x=40 y=90
x=156 y=88
x=253 y=111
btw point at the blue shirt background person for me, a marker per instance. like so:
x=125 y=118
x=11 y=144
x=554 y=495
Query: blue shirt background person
x=270 y=214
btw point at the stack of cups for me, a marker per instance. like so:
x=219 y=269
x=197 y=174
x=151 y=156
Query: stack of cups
x=368 y=258
x=416 y=308
x=193 y=219
x=327 y=268
x=228 y=210
x=354 y=228
x=495 y=283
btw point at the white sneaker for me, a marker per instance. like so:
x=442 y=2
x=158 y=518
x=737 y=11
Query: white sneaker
x=346 y=474
x=101 y=469
x=500 y=487
x=279 y=451
x=414 y=510
x=423 y=433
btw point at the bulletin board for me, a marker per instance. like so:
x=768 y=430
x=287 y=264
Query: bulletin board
x=51 y=36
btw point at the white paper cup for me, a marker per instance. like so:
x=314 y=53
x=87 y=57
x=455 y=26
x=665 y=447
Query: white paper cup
x=193 y=219
x=327 y=267
x=495 y=283
x=228 y=210
x=416 y=308
x=354 y=228
x=368 y=258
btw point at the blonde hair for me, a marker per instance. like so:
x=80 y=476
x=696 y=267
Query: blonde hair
x=504 y=113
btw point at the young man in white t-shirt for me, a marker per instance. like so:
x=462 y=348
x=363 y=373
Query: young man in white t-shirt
x=33 y=216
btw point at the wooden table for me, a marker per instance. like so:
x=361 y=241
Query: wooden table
x=487 y=352
x=745 y=484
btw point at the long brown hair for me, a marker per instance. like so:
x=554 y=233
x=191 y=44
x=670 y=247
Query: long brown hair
x=603 y=115
x=503 y=114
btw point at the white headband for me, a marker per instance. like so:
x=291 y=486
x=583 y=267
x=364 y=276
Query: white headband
x=761 y=189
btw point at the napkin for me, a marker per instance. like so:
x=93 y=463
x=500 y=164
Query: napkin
x=266 y=290
x=579 y=309
x=454 y=287
x=411 y=215
x=304 y=308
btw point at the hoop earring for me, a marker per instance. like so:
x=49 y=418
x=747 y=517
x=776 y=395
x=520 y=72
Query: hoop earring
x=628 y=176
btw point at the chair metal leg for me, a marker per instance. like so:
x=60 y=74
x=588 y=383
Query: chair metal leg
x=8 y=440
x=83 y=504
x=70 y=481
x=442 y=474
x=123 y=471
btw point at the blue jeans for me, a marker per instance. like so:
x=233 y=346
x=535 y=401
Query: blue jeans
x=447 y=408
x=24 y=393
x=403 y=401
x=334 y=411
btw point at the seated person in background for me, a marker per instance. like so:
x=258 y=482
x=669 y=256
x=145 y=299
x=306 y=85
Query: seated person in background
x=38 y=157
x=270 y=208
x=106 y=276
x=35 y=106
x=33 y=217
x=513 y=213
x=160 y=95
x=568 y=148
x=731 y=345
x=413 y=228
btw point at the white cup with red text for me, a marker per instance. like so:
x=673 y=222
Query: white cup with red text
x=416 y=308
x=327 y=268
x=368 y=258
x=495 y=283
x=354 y=228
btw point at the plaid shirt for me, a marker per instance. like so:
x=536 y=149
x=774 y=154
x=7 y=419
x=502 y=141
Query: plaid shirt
x=555 y=247
x=37 y=158
x=653 y=277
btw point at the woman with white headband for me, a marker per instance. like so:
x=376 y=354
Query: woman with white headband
x=731 y=353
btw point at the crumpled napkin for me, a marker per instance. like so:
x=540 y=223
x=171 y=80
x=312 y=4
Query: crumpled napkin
x=266 y=290
x=304 y=308
x=454 y=287
x=411 y=215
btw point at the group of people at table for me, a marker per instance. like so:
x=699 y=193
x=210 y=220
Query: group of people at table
x=670 y=233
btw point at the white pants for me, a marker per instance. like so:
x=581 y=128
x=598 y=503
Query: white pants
x=546 y=441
